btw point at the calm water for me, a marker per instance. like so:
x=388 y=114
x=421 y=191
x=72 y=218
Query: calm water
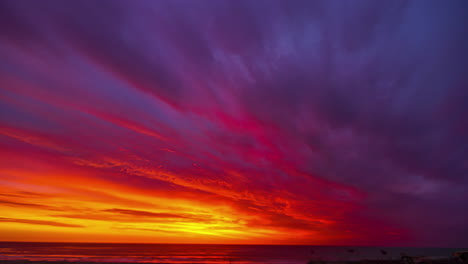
x=172 y=253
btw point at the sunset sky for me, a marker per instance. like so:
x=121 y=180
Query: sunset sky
x=249 y=122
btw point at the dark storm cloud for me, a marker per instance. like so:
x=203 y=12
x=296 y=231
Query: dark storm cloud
x=351 y=95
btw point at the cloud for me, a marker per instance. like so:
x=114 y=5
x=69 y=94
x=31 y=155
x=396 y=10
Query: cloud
x=11 y=203
x=137 y=213
x=37 y=222
x=339 y=121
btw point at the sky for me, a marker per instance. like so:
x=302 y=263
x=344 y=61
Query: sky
x=247 y=122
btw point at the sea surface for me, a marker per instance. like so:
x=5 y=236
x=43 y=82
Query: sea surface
x=185 y=253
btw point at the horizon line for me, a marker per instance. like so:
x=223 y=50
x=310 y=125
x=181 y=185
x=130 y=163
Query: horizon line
x=226 y=244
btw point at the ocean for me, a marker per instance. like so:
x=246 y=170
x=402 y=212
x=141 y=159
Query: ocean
x=185 y=253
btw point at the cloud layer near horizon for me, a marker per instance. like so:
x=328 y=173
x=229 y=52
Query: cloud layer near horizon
x=313 y=122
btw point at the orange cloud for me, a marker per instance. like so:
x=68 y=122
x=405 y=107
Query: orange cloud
x=37 y=222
